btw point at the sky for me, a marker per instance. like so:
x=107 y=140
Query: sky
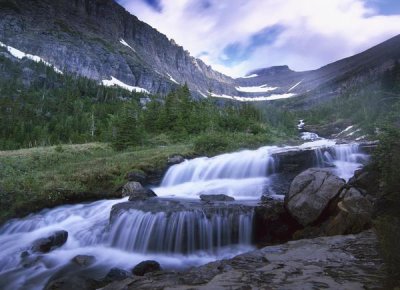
x=238 y=36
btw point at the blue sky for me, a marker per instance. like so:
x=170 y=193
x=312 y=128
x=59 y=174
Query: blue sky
x=237 y=36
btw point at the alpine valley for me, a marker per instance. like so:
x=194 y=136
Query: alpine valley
x=127 y=163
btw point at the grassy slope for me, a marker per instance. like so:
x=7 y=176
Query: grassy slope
x=32 y=179
x=36 y=178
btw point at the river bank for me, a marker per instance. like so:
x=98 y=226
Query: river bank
x=189 y=232
x=44 y=177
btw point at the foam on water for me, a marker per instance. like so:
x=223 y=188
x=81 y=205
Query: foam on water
x=177 y=240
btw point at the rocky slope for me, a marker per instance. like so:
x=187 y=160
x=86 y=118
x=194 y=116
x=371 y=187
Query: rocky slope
x=339 y=262
x=99 y=39
x=330 y=80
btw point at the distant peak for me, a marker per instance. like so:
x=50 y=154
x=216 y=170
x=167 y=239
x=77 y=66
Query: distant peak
x=271 y=70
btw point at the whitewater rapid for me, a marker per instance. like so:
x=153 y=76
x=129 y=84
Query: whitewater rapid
x=243 y=175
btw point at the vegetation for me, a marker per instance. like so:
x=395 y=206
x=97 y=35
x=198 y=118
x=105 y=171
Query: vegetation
x=62 y=109
x=31 y=179
x=119 y=131
x=366 y=106
x=387 y=160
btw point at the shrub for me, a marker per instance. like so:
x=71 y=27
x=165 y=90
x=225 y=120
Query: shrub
x=210 y=144
x=387 y=160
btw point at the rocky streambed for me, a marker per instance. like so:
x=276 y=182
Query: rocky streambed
x=207 y=211
x=338 y=262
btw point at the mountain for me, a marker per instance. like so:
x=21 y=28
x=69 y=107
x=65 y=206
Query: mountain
x=331 y=80
x=100 y=40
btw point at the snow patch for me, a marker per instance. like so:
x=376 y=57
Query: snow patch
x=123 y=42
x=250 y=76
x=203 y=94
x=292 y=88
x=301 y=124
x=20 y=55
x=361 y=137
x=259 y=89
x=345 y=130
x=255 y=99
x=352 y=133
x=116 y=82
x=172 y=79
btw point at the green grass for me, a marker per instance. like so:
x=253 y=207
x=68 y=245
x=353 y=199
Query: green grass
x=32 y=179
x=36 y=178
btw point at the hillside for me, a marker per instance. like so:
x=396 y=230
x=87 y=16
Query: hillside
x=332 y=80
x=100 y=40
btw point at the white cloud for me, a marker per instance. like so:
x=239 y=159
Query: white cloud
x=314 y=32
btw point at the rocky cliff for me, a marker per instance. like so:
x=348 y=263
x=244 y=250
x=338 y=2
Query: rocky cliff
x=99 y=39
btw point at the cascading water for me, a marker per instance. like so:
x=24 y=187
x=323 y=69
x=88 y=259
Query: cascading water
x=344 y=158
x=242 y=175
x=181 y=232
x=175 y=238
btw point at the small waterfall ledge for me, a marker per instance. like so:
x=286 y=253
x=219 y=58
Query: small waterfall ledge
x=171 y=226
x=176 y=228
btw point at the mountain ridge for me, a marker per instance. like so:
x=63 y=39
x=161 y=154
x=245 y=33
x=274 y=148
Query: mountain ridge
x=85 y=37
x=100 y=40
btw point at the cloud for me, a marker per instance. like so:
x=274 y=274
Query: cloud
x=236 y=36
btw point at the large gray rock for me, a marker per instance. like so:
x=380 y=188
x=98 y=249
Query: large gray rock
x=175 y=159
x=116 y=274
x=351 y=214
x=354 y=214
x=72 y=282
x=51 y=242
x=310 y=193
x=83 y=260
x=130 y=188
x=146 y=267
x=141 y=194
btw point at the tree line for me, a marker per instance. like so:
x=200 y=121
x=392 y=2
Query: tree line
x=47 y=108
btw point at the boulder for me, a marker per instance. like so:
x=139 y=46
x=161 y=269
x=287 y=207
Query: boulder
x=216 y=197
x=367 y=180
x=175 y=159
x=72 y=282
x=272 y=223
x=83 y=260
x=116 y=274
x=352 y=215
x=45 y=245
x=130 y=188
x=136 y=176
x=141 y=194
x=146 y=267
x=310 y=194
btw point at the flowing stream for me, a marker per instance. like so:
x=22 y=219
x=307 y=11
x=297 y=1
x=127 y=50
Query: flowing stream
x=175 y=238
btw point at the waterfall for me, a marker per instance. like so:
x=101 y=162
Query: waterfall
x=242 y=175
x=238 y=165
x=343 y=158
x=181 y=232
x=191 y=234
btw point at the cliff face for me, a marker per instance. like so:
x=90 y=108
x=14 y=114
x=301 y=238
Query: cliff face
x=99 y=39
x=331 y=80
